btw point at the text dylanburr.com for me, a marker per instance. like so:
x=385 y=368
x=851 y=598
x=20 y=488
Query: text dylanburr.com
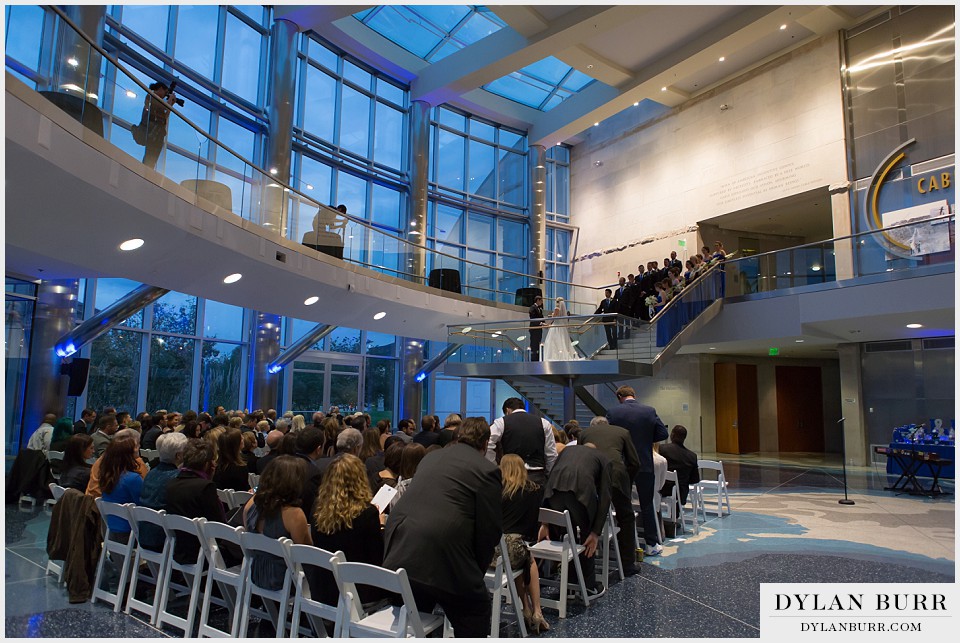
x=859 y=611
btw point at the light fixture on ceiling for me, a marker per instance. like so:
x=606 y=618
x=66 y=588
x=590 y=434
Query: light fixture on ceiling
x=131 y=93
x=596 y=124
x=783 y=27
x=816 y=267
x=232 y=279
x=131 y=244
x=466 y=329
x=273 y=171
x=73 y=62
x=309 y=301
x=914 y=325
x=309 y=187
x=664 y=88
x=521 y=338
x=380 y=315
x=589 y=66
x=496 y=333
x=722 y=58
x=798 y=341
x=636 y=104
x=713 y=348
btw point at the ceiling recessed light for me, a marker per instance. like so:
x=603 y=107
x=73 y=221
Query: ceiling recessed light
x=783 y=27
x=309 y=301
x=799 y=341
x=273 y=171
x=131 y=244
x=589 y=66
x=914 y=325
x=713 y=348
x=466 y=329
x=380 y=315
x=815 y=267
x=722 y=58
x=596 y=124
x=575 y=342
x=637 y=104
x=73 y=62
x=232 y=279
x=521 y=338
x=663 y=89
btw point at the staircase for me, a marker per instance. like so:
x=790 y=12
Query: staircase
x=548 y=399
x=641 y=347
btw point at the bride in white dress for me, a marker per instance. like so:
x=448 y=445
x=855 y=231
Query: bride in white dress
x=558 y=347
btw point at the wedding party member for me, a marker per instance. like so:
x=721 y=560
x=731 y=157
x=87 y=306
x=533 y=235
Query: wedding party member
x=606 y=307
x=645 y=428
x=558 y=347
x=536 y=328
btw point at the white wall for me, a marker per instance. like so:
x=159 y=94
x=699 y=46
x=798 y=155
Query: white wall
x=781 y=135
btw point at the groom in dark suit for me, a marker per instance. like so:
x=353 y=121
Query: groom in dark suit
x=608 y=306
x=536 y=328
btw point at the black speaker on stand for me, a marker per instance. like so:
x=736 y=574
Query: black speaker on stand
x=77 y=370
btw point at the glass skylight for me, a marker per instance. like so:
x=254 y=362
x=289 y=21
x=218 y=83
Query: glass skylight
x=542 y=85
x=432 y=32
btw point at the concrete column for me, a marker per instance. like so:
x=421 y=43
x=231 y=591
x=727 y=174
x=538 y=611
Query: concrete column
x=419 y=164
x=262 y=389
x=46 y=390
x=851 y=405
x=411 y=391
x=83 y=78
x=842 y=226
x=536 y=162
x=281 y=92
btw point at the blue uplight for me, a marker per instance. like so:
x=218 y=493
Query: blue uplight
x=274 y=369
x=420 y=376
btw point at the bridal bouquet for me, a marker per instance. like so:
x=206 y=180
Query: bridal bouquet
x=651 y=300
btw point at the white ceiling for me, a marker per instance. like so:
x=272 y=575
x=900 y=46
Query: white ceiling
x=637 y=49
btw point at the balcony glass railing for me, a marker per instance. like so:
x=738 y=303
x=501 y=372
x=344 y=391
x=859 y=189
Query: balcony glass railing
x=895 y=249
x=115 y=103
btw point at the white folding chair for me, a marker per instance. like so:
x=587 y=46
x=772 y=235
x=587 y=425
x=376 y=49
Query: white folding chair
x=230 y=581
x=608 y=538
x=52 y=457
x=178 y=528
x=675 y=512
x=120 y=553
x=156 y=562
x=240 y=498
x=275 y=601
x=398 y=621
x=695 y=498
x=301 y=556
x=254 y=480
x=503 y=577
x=226 y=497
x=719 y=485
x=55 y=567
x=560 y=551
x=149 y=455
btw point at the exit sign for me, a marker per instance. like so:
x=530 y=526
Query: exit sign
x=774 y=351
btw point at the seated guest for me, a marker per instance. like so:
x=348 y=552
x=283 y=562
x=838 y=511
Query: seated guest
x=682 y=460
x=383 y=426
x=375 y=464
x=75 y=472
x=521 y=506
x=572 y=429
x=448 y=433
x=106 y=427
x=248 y=451
x=405 y=430
x=410 y=458
x=428 y=432
x=153 y=494
x=62 y=431
x=344 y=520
x=659 y=477
x=191 y=429
x=559 y=438
x=309 y=450
x=150 y=434
x=274 y=511
x=331 y=428
x=93 y=486
x=231 y=470
x=119 y=480
x=192 y=494
x=273 y=443
x=41 y=438
x=390 y=474
x=371 y=444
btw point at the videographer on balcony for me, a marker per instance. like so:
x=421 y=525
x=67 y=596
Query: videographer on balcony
x=152 y=129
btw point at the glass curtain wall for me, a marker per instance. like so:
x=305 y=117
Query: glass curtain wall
x=478 y=201
x=20 y=300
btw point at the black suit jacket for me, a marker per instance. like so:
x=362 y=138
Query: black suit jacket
x=585 y=472
x=536 y=313
x=626 y=299
x=606 y=307
x=193 y=496
x=444 y=528
x=615 y=443
x=645 y=428
x=684 y=462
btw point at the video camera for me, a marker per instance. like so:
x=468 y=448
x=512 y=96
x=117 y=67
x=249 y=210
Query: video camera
x=173 y=87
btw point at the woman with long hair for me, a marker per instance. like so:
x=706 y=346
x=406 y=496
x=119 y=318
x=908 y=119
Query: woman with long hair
x=274 y=511
x=410 y=459
x=120 y=480
x=297 y=424
x=231 y=467
x=62 y=431
x=345 y=520
x=248 y=451
x=330 y=427
x=557 y=346
x=521 y=510
x=371 y=444
x=390 y=474
x=75 y=472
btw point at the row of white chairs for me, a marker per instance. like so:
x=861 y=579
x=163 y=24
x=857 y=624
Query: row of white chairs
x=672 y=510
x=232 y=499
x=236 y=587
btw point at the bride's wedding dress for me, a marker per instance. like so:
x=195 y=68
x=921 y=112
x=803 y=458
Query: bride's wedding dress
x=557 y=346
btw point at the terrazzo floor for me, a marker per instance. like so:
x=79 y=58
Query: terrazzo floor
x=786 y=526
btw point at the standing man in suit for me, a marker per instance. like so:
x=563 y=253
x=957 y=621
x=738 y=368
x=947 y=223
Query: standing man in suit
x=606 y=307
x=536 y=328
x=615 y=443
x=624 y=298
x=674 y=262
x=648 y=288
x=444 y=528
x=645 y=428
x=682 y=460
x=526 y=435
x=85 y=423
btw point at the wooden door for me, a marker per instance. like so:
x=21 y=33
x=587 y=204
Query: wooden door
x=725 y=407
x=748 y=409
x=799 y=409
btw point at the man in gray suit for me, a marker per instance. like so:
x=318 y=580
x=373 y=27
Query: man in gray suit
x=615 y=443
x=645 y=428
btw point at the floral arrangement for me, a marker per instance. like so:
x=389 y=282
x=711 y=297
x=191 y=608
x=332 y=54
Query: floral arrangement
x=651 y=300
